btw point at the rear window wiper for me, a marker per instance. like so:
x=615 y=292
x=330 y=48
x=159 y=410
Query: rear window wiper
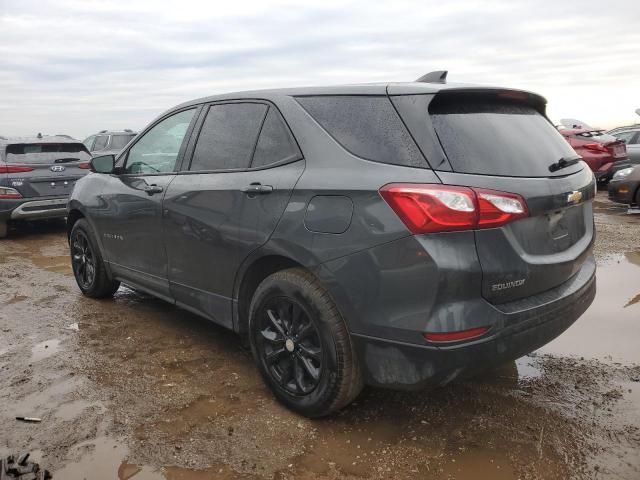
x=66 y=160
x=564 y=162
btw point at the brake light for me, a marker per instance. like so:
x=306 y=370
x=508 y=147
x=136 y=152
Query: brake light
x=84 y=165
x=9 y=193
x=426 y=208
x=442 y=337
x=14 y=169
x=596 y=147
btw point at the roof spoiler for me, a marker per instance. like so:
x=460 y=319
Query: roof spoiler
x=439 y=76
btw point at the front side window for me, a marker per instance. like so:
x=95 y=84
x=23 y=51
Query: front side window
x=101 y=143
x=228 y=136
x=157 y=150
x=275 y=144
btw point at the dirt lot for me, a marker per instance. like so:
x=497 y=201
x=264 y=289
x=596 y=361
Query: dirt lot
x=135 y=388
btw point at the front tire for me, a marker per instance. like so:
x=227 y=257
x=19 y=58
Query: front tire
x=301 y=344
x=88 y=266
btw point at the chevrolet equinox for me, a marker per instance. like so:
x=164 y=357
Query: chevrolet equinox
x=395 y=235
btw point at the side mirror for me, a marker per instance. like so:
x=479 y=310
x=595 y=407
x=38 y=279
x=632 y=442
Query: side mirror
x=103 y=164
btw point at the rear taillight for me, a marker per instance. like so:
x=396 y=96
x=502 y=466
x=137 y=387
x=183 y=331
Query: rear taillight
x=426 y=208
x=85 y=165
x=14 y=169
x=8 y=193
x=596 y=147
x=443 y=337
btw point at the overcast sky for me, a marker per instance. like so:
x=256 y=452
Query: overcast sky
x=78 y=66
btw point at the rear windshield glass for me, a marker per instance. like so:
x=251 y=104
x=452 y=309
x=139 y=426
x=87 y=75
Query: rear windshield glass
x=46 y=152
x=119 y=141
x=368 y=127
x=505 y=139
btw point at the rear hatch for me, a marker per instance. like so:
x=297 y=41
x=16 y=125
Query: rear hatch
x=501 y=140
x=44 y=169
x=602 y=147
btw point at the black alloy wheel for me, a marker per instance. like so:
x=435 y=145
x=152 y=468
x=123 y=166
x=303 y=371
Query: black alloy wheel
x=83 y=260
x=289 y=345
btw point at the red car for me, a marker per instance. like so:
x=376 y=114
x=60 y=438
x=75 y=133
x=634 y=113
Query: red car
x=603 y=153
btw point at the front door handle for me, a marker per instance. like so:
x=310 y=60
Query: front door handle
x=257 y=188
x=152 y=189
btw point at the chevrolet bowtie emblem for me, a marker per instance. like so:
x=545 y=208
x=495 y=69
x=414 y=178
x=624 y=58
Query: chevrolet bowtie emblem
x=574 y=197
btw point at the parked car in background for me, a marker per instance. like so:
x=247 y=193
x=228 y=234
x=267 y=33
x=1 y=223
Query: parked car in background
x=36 y=176
x=108 y=142
x=630 y=136
x=624 y=187
x=356 y=235
x=604 y=153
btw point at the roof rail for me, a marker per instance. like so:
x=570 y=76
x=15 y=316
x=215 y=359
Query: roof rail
x=439 y=76
x=128 y=130
x=103 y=131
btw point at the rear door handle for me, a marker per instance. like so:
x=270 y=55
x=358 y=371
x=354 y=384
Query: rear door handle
x=257 y=188
x=152 y=189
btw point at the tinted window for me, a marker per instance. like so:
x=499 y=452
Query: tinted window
x=118 y=142
x=275 y=143
x=101 y=143
x=157 y=150
x=228 y=136
x=46 y=152
x=504 y=139
x=368 y=127
x=89 y=142
x=627 y=137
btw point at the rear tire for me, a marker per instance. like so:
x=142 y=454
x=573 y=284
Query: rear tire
x=301 y=344
x=4 y=229
x=88 y=266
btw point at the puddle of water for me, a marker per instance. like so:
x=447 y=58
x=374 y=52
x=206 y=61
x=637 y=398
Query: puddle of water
x=45 y=349
x=101 y=459
x=70 y=410
x=609 y=330
x=478 y=465
x=39 y=403
x=56 y=263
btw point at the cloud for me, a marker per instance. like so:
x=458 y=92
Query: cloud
x=76 y=66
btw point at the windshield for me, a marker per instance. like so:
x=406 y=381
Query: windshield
x=500 y=138
x=46 y=152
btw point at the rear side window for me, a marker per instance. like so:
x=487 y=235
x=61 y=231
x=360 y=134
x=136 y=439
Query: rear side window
x=275 y=143
x=228 y=136
x=118 y=142
x=368 y=127
x=46 y=152
x=499 y=138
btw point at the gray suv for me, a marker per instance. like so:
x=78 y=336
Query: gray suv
x=36 y=176
x=395 y=235
x=108 y=142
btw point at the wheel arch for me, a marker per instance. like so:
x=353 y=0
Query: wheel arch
x=251 y=276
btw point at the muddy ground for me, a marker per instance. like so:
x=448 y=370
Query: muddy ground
x=135 y=388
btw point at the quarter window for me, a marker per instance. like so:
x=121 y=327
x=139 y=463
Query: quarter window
x=158 y=149
x=89 y=142
x=275 y=143
x=367 y=126
x=228 y=136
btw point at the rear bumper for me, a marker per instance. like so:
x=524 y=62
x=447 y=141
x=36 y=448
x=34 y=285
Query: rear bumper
x=521 y=327
x=28 y=209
